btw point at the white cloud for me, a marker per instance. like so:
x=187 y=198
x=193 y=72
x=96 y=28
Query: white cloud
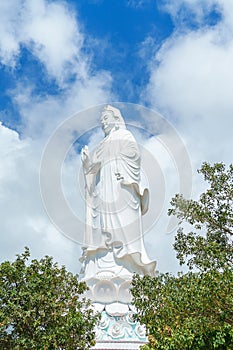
x=191 y=84
x=53 y=34
x=40 y=115
x=23 y=220
x=198 y=9
x=136 y=3
x=9 y=41
x=49 y=30
x=191 y=81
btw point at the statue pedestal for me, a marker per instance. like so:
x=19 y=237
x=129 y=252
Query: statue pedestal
x=108 y=290
x=119 y=332
x=117 y=328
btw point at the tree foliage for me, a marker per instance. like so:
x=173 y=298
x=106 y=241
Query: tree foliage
x=195 y=310
x=41 y=307
x=213 y=213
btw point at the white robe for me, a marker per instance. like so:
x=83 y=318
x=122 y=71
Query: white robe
x=114 y=207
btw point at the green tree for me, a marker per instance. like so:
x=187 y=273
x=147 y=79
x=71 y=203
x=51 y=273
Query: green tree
x=42 y=307
x=194 y=310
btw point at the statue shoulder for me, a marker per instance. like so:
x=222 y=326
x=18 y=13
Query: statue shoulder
x=125 y=135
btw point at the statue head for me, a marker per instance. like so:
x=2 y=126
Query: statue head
x=111 y=118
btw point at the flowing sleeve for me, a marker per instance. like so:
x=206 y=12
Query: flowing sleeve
x=129 y=161
x=90 y=173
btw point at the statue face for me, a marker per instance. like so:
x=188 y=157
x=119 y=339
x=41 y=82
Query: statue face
x=108 y=122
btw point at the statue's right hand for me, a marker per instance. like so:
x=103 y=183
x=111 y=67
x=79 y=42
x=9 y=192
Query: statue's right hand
x=85 y=154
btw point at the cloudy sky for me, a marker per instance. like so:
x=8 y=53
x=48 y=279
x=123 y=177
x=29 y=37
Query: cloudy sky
x=58 y=58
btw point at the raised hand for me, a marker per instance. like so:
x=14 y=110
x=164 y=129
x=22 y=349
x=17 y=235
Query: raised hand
x=85 y=154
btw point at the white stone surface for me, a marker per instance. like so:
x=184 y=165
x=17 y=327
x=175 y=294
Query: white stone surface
x=116 y=309
x=109 y=290
x=113 y=248
x=118 y=345
x=121 y=345
x=115 y=202
x=119 y=327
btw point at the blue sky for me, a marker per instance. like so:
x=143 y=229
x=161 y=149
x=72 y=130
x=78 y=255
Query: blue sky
x=60 y=57
x=115 y=34
x=114 y=31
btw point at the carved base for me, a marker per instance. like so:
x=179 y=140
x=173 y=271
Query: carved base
x=110 y=295
x=119 y=332
x=118 y=345
x=109 y=290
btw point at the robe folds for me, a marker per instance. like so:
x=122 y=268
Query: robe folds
x=115 y=203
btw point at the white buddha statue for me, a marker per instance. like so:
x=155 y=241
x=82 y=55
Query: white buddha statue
x=115 y=202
